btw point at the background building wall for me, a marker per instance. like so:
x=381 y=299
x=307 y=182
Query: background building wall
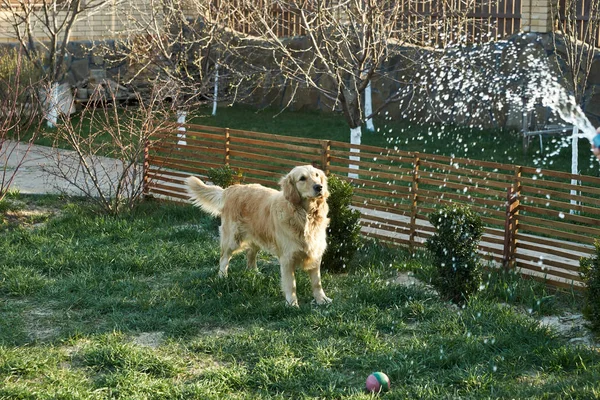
x=110 y=21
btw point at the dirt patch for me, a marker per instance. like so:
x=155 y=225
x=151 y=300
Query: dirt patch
x=39 y=324
x=409 y=280
x=149 y=339
x=17 y=213
x=572 y=327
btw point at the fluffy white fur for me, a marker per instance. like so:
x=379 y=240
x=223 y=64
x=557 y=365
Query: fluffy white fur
x=290 y=223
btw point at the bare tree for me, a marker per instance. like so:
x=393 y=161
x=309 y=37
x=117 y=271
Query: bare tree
x=43 y=28
x=580 y=34
x=108 y=145
x=579 y=30
x=345 y=45
x=337 y=49
x=171 y=46
x=18 y=116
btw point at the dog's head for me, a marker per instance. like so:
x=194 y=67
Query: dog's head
x=304 y=183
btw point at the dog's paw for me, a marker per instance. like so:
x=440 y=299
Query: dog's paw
x=293 y=303
x=324 y=300
x=222 y=274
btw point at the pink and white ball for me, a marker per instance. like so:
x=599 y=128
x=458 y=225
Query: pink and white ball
x=377 y=382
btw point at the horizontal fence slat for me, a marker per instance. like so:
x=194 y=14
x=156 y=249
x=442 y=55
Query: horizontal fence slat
x=544 y=184
x=595 y=181
x=557 y=224
x=263 y=144
x=274 y=137
x=492 y=175
x=188 y=165
x=531 y=191
x=555 y=233
x=544 y=243
x=531 y=263
x=461 y=187
x=553 y=251
x=559 y=205
x=563 y=216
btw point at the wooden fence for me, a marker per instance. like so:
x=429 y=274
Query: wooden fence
x=422 y=22
x=535 y=220
x=425 y=22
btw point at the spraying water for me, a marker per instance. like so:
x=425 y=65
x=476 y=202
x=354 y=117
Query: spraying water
x=467 y=85
x=545 y=87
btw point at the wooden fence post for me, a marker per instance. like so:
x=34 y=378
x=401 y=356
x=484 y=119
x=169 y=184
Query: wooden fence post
x=508 y=225
x=325 y=155
x=413 y=211
x=227 y=143
x=514 y=211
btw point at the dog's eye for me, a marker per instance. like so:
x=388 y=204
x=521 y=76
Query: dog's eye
x=302 y=178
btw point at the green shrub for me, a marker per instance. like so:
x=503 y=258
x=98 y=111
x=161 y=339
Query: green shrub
x=225 y=176
x=590 y=272
x=454 y=249
x=343 y=233
x=15 y=66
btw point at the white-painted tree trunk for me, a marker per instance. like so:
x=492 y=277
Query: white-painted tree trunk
x=216 y=91
x=574 y=162
x=355 y=138
x=181 y=115
x=52 y=105
x=369 y=108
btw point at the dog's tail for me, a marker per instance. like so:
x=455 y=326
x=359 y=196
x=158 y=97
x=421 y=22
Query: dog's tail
x=208 y=198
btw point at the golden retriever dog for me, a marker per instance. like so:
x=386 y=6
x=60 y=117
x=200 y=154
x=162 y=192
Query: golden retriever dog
x=290 y=223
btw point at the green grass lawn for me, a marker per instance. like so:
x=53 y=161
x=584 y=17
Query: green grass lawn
x=130 y=307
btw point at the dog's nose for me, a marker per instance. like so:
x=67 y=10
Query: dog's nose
x=318 y=188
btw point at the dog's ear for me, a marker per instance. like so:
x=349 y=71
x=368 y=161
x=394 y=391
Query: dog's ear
x=289 y=190
x=325 y=187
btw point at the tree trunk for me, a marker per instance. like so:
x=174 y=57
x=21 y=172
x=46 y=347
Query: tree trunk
x=181 y=115
x=52 y=105
x=574 y=162
x=355 y=138
x=216 y=91
x=352 y=113
x=369 y=108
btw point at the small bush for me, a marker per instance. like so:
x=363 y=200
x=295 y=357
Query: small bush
x=15 y=67
x=590 y=272
x=225 y=176
x=454 y=249
x=343 y=233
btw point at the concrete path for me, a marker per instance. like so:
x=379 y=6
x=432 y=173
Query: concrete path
x=39 y=170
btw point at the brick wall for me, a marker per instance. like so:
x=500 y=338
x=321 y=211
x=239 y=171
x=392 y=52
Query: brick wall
x=536 y=15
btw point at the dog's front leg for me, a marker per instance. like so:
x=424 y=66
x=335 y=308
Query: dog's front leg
x=224 y=262
x=315 y=279
x=288 y=281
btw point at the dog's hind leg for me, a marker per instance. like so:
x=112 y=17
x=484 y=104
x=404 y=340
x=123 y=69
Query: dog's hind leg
x=228 y=247
x=224 y=261
x=251 y=256
x=315 y=279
